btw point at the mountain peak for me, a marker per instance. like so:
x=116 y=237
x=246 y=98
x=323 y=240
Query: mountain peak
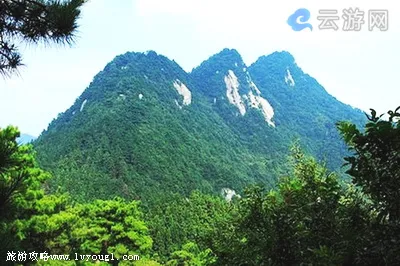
x=150 y=53
x=137 y=57
x=136 y=64
x=281 y=58
x=227 y=59
x=283 y=54
x=230 y=52
x=144 y=120
x=231 y=57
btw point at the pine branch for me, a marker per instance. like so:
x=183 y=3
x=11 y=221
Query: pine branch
x=35 y=21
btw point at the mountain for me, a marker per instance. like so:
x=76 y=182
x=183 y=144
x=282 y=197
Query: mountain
x=303 y=108
x=292 y=103
x=144 y=127
x=25 y=138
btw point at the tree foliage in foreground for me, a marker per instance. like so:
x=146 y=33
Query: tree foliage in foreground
x=310 y=218
x=191 y=255
x=376 y=160
x=31 y=220
x=34 y=21
x=375 y=168
x=20 y=184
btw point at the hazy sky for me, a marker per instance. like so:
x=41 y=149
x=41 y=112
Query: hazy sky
x=358 y=68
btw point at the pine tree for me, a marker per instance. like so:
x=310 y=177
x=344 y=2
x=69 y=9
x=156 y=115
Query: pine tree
x=34 y=21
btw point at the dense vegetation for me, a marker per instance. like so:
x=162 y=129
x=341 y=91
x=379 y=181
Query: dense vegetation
x=129 y=135
x=311 y=218
x=142 y=171
x=304 y=110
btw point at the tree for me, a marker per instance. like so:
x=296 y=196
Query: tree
x=32 y=221
x=100 y=227
x=375 y=165
x=20 y=185
x=375 y=168
x=175 y=221
x=191 y=255
x=310 y=219
x=20 y=178
x=34 y=21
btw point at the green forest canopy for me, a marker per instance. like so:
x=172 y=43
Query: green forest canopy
x=312 y=217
